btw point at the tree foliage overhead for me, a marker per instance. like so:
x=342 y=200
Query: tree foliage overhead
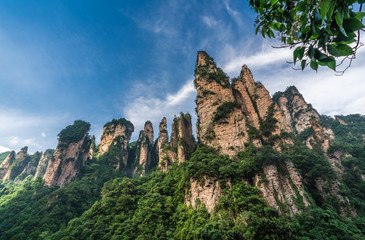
x=323 y=32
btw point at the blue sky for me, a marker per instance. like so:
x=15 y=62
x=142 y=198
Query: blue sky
x=98 y=60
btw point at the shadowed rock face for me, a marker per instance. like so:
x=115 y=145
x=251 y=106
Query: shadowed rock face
x=116 y=134
x=301 y=116
x=181 y=144
x=43 y=163
x=145 y=144
x=162 y=141
x=18 y=167
x=67 y=161
x=5 y=165
x=304 y=118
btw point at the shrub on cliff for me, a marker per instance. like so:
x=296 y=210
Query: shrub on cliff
x=74 y=132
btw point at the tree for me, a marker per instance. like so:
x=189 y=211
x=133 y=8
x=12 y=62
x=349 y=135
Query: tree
x=323 y=32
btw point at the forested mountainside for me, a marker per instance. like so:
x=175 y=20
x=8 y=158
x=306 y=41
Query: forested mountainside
x=261 y=167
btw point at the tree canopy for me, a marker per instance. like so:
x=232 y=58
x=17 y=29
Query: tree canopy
x=323 y=32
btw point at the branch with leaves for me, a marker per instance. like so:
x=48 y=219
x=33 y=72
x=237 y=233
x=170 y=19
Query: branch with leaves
x=323 y=32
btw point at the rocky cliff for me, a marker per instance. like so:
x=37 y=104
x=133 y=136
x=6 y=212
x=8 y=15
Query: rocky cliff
x=114 y=140
x=306 y=124
x=144 y=150
x=232 y=114
x=70 y=155
x=43 y=163
x=181 y=144
x=18 y=166
x=162 y=142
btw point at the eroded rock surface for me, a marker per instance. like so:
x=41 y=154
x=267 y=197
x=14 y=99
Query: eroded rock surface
x=207 y=194
x=67 y=161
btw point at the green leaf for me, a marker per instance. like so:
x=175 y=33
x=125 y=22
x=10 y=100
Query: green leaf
x=314 y=65
x=352 y=25
x=339 y=50
x=296 y=54
x=339 y=18
x=325 y=6
x=345 y=40
x=360 y=15
x=301 y=52
x=361 y=1
x=319 y=55
x=273 y=1
x=303 y=64
x=332 y=63
x=310 y=52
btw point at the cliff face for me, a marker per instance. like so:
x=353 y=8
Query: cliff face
x=18 y=167
x=69 y=156
x=144 y=150
x=181 y=144
x=305 y=122
x=302 y=117
x=162 y=141
x=114 y=140
x=5 y=165
x=43 y=163
x=230 y=115
x=207 y=194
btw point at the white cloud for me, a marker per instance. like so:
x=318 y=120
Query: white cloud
x=155 y=108
x=267 y=56
x=43 y=134
x=209 y=21
x=4 y=149
x=24 y=127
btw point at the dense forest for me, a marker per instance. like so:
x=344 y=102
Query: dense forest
x=102 y=204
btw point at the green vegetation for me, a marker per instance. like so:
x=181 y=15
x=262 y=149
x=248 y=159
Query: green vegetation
x=3 y=156
x=223 y=110
x=121 y=121
x=268 y=125
x=211 y=72
x=74 y=133
x=322 y=31
x=102 y=203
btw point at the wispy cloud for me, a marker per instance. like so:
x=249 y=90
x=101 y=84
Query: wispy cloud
x=267 y=56
x=19 y=128
x=155 y=108
x=209 y=21
x=233 y=13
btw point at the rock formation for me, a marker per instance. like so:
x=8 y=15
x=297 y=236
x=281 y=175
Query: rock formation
x=116 y=136
x=230 y=115
x=303 y=117
x=70 y=155
x=144 y=150
x=161 y=143
x=181 y=144
x=20 y=166
x=6 y=164
x=305 y=121
x=43 y=163
x=207 y=194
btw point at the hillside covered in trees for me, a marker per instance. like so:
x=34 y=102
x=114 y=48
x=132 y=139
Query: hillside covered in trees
x=261 y=167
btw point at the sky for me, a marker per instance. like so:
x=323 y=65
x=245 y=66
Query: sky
x=66 y=60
